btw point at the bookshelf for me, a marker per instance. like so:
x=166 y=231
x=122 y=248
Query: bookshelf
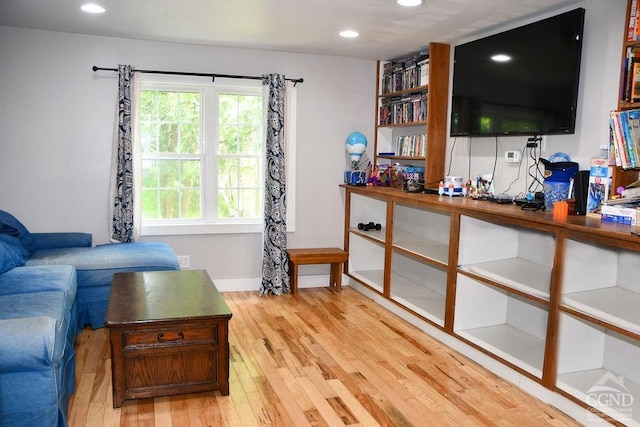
x=622 y=177
x=411 y=113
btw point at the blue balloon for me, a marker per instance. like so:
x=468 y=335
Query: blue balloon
x=356 y=138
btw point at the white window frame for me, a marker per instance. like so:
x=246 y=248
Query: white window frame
x=209 y=224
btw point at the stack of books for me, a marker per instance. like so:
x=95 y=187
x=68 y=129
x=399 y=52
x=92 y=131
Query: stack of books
x=621 y=211
x=624 y=141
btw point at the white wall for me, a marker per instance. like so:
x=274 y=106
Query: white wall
x=602 y=45
x=56 y=128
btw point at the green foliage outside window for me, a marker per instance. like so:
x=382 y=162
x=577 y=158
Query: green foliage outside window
x=170 y=126
x=239 y=152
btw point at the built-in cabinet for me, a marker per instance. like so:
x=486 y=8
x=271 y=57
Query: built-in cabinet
x=556 y=301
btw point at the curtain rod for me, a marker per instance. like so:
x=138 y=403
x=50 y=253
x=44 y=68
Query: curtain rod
x=182 y=73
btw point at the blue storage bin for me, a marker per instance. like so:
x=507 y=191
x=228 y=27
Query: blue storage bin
x=557 y=178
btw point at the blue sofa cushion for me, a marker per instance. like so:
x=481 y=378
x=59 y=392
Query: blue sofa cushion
x=11 y=226
x=36 y=336
x=96 y=265
x=49 y=304
x=40 y=278
x=64 y=239
x=7 y=259
x=15 y=253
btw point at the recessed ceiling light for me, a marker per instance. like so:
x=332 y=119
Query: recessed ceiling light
x=409 y=3
x=92 y=8
x=501 y=58
x=349 y=34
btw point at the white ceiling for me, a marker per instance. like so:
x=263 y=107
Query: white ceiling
x=307 y=26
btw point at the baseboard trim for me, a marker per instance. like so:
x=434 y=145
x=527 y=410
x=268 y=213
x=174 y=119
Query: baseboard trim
x=253 y=284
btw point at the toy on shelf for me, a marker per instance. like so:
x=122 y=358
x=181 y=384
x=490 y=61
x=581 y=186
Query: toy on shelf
x=356 y=146
x=369 y=226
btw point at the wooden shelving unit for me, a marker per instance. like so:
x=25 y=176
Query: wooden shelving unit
x=623 y=177
x=435 y=125
x=554 y=301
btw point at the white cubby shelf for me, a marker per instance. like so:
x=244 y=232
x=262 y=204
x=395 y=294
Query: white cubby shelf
x=366 y=261
x=419 y=287
x=375 y=235
x=600 y=368
x=503 y=323
x=518 y=258
x=422 y=232
x=365 y=210
x=602 y=282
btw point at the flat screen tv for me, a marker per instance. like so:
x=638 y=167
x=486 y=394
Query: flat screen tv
x=522 y=81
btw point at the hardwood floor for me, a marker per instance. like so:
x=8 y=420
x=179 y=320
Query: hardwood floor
x=325 y=359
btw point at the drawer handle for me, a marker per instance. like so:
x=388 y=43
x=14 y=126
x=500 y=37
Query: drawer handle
x=161 y=337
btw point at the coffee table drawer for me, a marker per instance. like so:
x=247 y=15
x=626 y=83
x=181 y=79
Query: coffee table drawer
x=170 y=336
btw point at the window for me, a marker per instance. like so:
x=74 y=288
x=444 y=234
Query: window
x=200 y=156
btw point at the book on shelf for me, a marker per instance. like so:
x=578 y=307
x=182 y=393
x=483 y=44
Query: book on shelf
x=631 y=58
x=411 y=145
x=624 y=144
x=635 y=81
x=424 y=72
x=628 y=135
x=599 y=182
x=632 y=27
x=614 y=157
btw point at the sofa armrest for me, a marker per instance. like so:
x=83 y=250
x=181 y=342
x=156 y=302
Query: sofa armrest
x=27 y=343
x=62 y=240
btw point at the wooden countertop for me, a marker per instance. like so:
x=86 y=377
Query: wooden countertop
x=589 y=228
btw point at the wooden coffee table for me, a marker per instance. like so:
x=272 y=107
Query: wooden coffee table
x=169 y=335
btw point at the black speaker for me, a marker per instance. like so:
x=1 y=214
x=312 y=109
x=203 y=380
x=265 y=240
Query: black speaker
x=580 y=191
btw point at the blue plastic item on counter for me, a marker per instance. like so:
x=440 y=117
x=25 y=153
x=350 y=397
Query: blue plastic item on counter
x=557 y=181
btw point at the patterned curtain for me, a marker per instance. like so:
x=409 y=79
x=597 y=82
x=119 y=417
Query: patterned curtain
x=121 y=194
x=275 y=268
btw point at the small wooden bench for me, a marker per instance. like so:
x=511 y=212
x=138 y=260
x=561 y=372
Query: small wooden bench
x=334 y=256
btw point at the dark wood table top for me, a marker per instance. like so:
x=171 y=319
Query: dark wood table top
x=152 y=296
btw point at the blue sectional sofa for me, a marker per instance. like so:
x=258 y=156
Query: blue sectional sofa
x=51 y=286
x=96 y=264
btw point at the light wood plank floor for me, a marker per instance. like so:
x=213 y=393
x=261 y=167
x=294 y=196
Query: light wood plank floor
x=325 y=359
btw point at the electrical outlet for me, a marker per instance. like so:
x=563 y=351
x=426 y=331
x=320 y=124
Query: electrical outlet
x=184 y=261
